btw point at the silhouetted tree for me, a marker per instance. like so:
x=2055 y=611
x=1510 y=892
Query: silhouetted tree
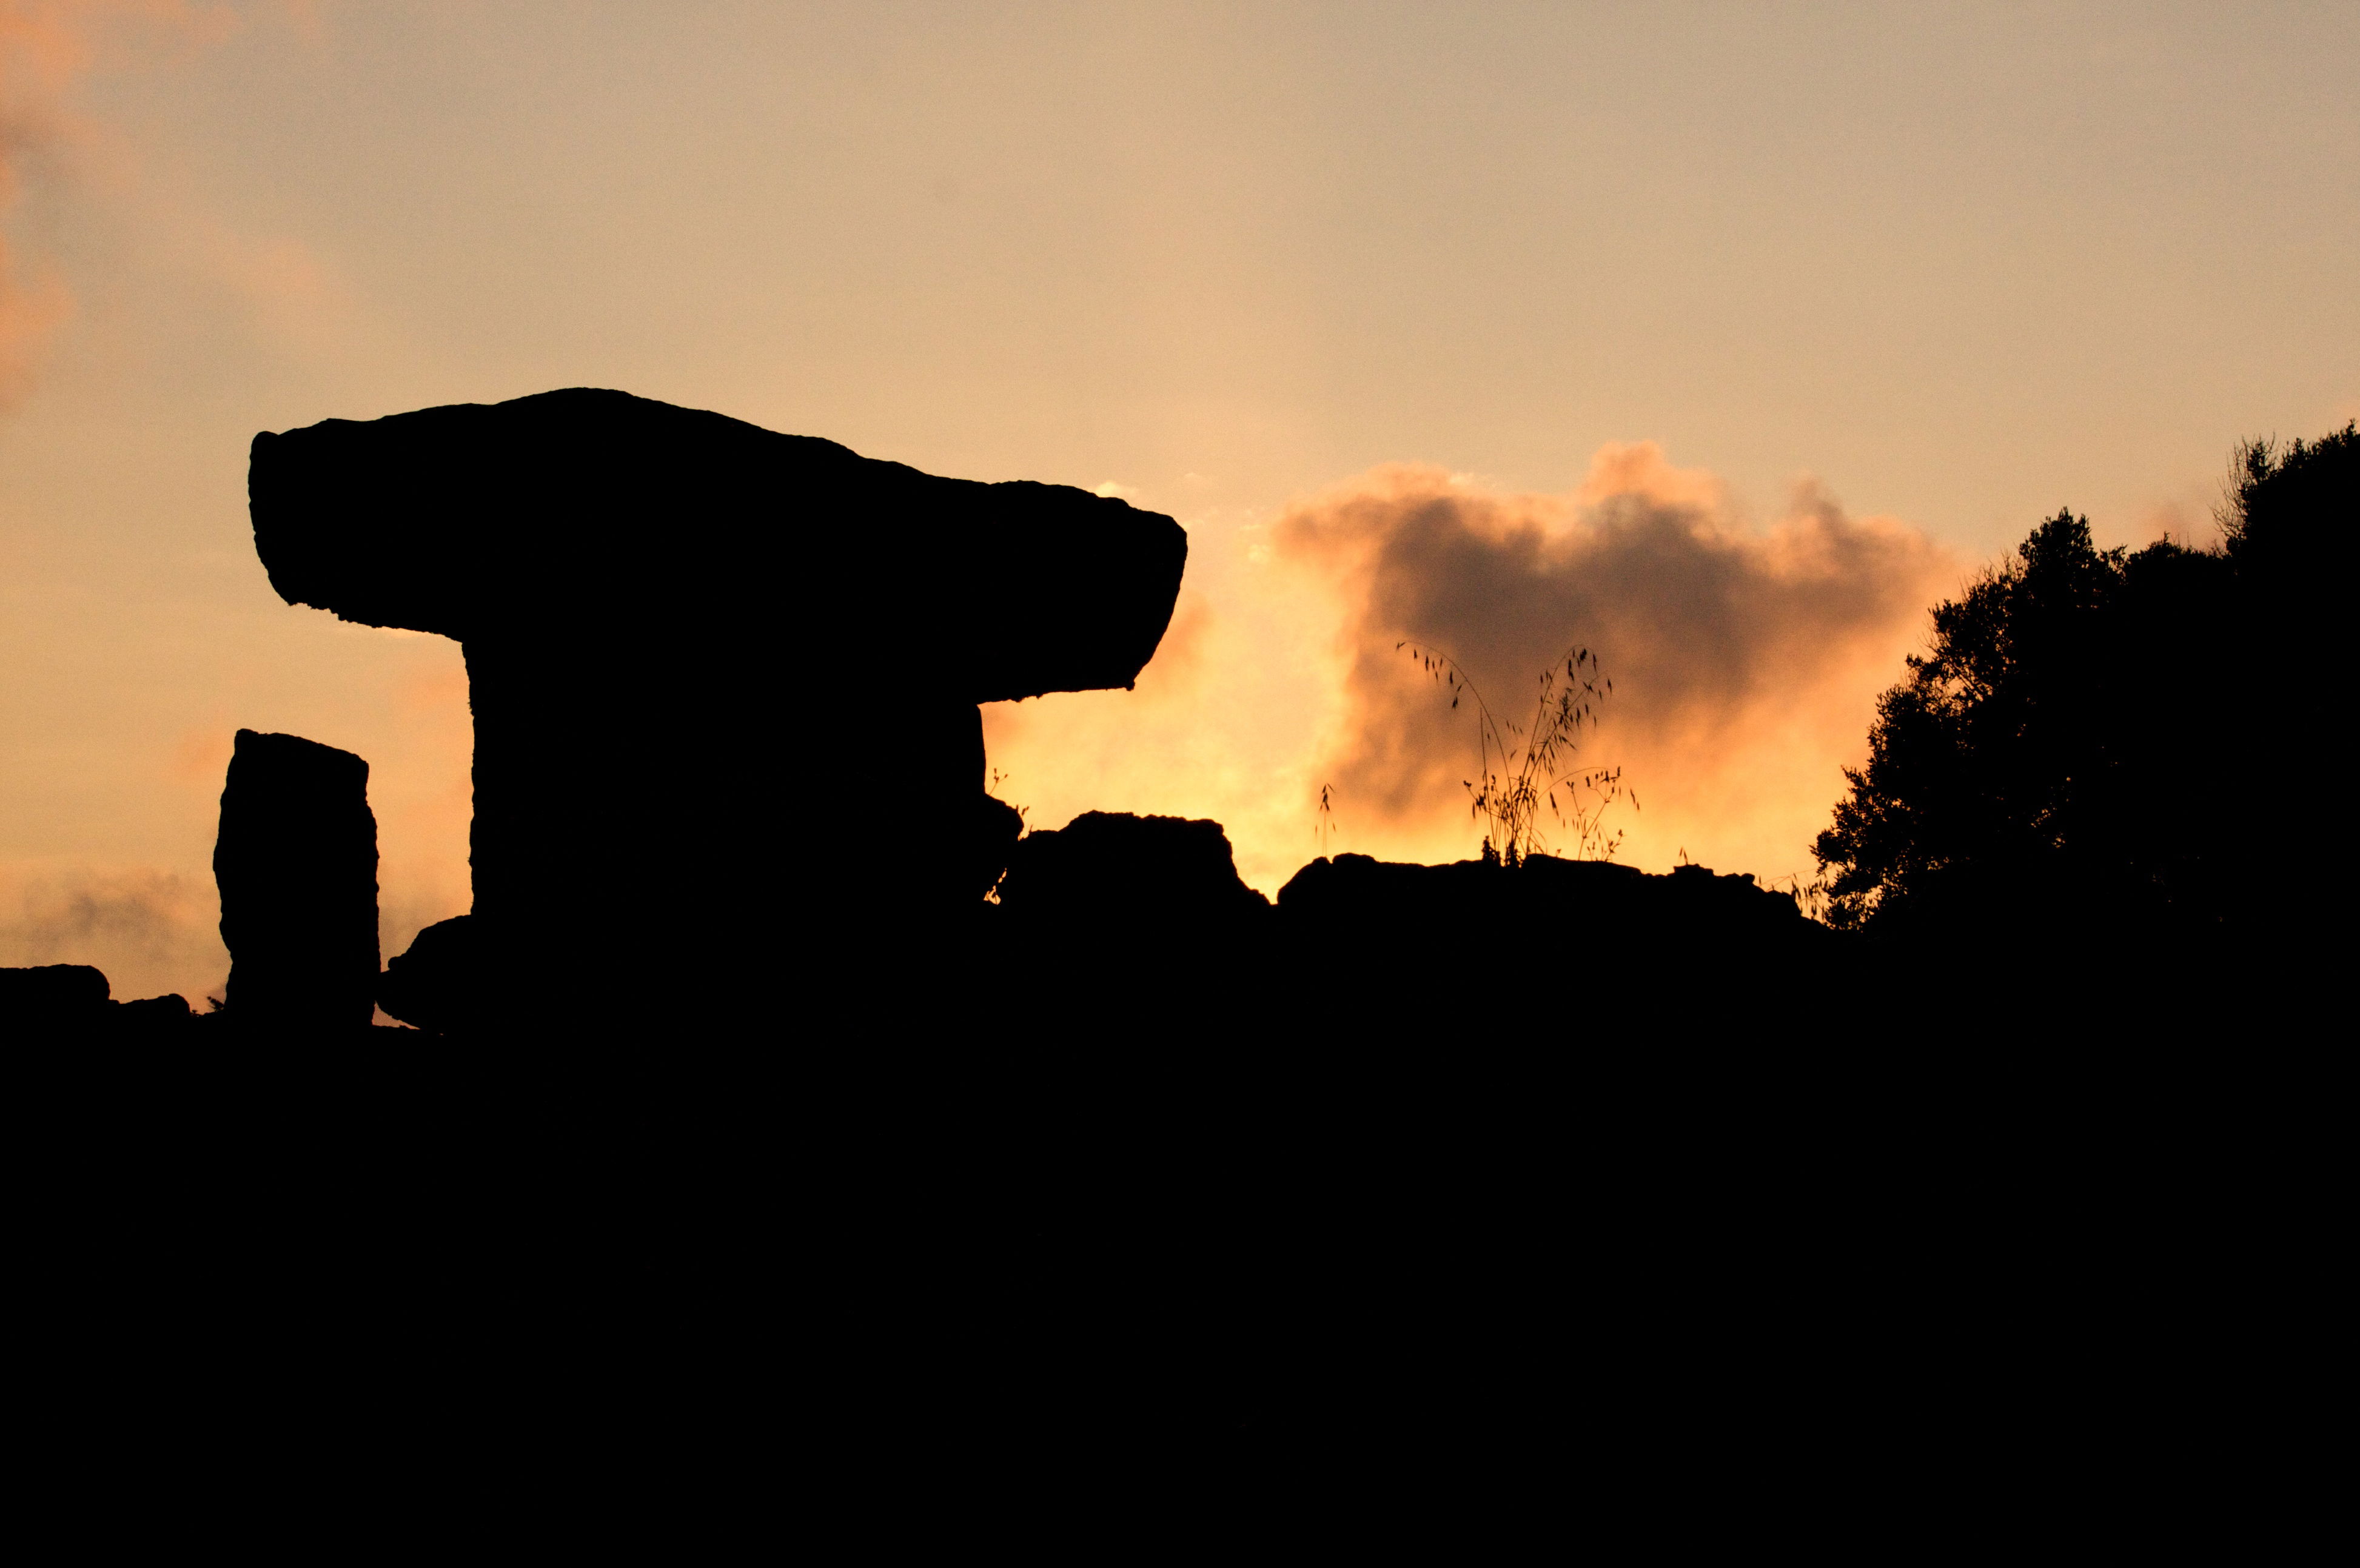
x=2094 y=749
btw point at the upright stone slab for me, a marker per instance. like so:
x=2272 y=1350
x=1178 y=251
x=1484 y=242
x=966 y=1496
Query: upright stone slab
x=297 y=866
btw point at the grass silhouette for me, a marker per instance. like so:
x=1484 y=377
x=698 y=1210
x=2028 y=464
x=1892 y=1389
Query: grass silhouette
x=1521 y=769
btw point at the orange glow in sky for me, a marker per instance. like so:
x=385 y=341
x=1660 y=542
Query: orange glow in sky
x=1722 y=340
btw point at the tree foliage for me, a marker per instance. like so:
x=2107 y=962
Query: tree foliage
x=2094 y=740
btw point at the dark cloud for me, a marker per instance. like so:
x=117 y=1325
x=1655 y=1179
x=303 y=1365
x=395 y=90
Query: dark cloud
x=1725 y=643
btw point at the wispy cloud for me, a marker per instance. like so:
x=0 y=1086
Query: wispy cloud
x=152 y=932
x=42 y=49
x=47 y=46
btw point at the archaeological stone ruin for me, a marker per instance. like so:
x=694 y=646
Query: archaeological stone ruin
x=723 y=681
x=296 y=864
x=730 y=773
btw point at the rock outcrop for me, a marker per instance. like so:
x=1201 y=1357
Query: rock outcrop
x=51 y=999
x=1120 y=875
x=434 y=983
x=53 y=1003
x=1555 y=949
x=723 y=679
x=1147 y=929
x=1690 y=908
x=296 y=862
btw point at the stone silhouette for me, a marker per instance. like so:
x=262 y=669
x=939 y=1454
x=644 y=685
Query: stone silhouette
x=1124 y=875
x=1678 y=915
x=54 y=998
x=54 y=1002
x=434 y=983
x=722 y=678
x=297 y=866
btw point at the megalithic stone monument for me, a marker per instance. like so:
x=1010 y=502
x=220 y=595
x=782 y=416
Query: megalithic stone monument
x=296 y=862
x=724 y=681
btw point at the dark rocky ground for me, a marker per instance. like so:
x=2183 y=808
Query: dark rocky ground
x=1139 y=920
x=1149 y=1190
x=1131 y=1193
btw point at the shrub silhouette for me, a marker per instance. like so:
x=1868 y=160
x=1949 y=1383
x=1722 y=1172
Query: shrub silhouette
x=2071 y=758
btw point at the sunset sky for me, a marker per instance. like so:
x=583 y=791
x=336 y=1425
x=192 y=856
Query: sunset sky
x=1721 y=339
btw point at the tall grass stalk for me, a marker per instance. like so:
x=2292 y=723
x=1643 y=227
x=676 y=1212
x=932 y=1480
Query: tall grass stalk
x=1522 y=768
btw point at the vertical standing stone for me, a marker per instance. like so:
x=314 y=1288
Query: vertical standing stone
x=297 y=865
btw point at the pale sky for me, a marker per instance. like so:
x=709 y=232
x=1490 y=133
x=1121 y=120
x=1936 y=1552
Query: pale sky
x=1958 y=266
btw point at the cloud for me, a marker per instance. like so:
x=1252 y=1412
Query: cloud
x=152 y=932
x=45 y=47
x=1746 y=661
x=42 y=51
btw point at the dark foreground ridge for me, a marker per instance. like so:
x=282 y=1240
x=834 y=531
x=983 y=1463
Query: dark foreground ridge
x=1145 y=919
x=1143 y=1183
x=57 y=1003
x=1111 y=910
x=1126 y=1179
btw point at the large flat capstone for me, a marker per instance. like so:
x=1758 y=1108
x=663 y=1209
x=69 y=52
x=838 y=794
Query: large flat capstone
x=723 y=681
